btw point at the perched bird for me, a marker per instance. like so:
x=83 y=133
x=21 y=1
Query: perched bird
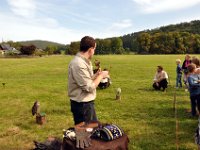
x=97 y=66
x=4 y=84
x=35 y=108
x=118 y=94
x=97 y=63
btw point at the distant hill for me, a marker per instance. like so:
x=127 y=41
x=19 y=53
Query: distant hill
x=41 y=44
x=190 y=27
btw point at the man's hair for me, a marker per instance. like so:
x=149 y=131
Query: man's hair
x=160 y=67
x=191 y=67
x=86 y=43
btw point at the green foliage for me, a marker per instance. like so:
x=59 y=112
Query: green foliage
x=16 y=45
x=28 y=50
x=168 y=43
x=144 y=43
x=74 y=48
x=50 y=50
x=172 y=39
x=147 y=116
x=39 y=52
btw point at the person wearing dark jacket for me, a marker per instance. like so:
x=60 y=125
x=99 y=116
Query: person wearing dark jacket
x=194 y=88
x=178 y=73
x=185 y=64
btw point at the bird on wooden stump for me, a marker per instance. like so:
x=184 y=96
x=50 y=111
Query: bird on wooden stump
x=40 y=117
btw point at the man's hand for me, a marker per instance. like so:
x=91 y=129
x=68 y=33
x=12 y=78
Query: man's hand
x=104 y=74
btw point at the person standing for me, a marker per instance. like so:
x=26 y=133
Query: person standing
x=194 y=88
x=196 y=61
x=185 y=64
x=82 y=83
x=178 y=74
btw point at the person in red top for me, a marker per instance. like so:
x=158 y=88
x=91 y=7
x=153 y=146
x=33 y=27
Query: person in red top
x=185 y=64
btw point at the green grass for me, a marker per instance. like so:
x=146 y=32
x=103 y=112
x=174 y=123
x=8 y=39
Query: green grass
x=146 y=115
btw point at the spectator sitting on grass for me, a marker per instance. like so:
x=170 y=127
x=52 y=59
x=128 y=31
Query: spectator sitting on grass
x=160 y=79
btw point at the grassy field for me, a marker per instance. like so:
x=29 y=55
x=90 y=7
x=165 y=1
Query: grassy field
x=146 y=115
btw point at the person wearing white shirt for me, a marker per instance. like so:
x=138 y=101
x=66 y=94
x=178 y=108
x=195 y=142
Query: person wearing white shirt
x=160 y=79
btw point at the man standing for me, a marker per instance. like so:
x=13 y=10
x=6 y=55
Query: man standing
x=82 y=83
x=160 y=79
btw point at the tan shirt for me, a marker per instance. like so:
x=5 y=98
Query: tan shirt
x=81 y=87
x=160 y=75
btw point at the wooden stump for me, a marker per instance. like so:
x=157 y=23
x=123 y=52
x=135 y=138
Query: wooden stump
x=118 y=97
x=117 y=144
x=40 y=119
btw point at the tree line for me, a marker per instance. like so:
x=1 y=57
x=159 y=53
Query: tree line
x=146 y=43
x=31 y=49
x=172 y=39
x=104 y=46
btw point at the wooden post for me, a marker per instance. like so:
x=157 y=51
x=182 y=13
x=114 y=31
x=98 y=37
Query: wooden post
x=4 y=85
x=174 y=102
x=176 y=118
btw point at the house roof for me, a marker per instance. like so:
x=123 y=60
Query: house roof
x=5 y=47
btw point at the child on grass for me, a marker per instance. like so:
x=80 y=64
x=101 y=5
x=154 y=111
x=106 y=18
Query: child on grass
x=185 y=64
x=178 y=73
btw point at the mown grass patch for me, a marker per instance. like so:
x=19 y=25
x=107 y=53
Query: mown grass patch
x=147 y=116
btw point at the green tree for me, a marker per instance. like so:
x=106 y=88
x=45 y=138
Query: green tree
x=28 y=50
x=144 y=41
x=50 y=50
x=117 y=46
x=74 y=48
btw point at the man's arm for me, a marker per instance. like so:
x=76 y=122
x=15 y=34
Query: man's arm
x=192 y=82
x=83 y=78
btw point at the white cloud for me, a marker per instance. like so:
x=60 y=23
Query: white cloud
x=186 y=19
x=116 y=29
x=121 y=25
x=156 y=6
x=19 y=29
x=24 y=8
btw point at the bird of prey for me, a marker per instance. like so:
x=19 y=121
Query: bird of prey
x=35 y=108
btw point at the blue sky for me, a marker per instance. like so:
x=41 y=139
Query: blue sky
x=64 y=21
